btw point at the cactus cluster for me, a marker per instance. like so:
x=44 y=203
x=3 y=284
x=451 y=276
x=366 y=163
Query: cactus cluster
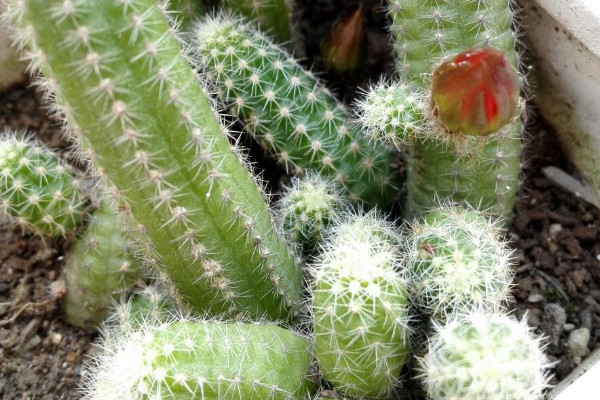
x=142 y=116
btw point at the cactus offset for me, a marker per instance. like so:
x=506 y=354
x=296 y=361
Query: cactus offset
x=478 y=171
x=291 y=114
x=457 y=262
x=307 y=208
x=359 y=306
x=97 y=269
x=37 y=189
x=134 y=104
x=201 y=360
x=484 y=356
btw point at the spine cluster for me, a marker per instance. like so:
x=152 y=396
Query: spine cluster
x=116 y=72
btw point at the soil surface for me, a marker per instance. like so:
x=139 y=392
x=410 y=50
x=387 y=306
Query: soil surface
x=554 y=234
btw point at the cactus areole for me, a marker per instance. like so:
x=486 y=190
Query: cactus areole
x=476 y=92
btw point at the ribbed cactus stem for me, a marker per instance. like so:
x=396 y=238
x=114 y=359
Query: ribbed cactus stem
x=441 y=164
x=457 y=262
x=359 y=306
x=484 y=356
x=291 y=114
x=38 y=190
x=202 y=360
x=98 y=268
x=272 y=16
x=307 y=208
x=134 y=104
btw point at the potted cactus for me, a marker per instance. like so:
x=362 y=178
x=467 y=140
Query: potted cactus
x=374 y=258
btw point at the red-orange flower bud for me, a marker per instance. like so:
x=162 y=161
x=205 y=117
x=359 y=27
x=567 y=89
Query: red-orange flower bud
x=476 y=92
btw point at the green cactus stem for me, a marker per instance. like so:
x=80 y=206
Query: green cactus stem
x=484 y=356
x=442 y=164
x=307 y=208
x=359 y=306
x=117 y=73
x=457 y=262
x=38 y=190
x=202 y=360
x=272 y=16
x=291 y=114
x=98 y=268
x=186 y=12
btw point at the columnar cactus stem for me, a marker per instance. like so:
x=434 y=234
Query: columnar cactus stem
x=481 y=171
x=272 y=16
x=291 y=114
x=457 y=263
x=359 y=305
x=97 y=269
x=484 y=356
x=37 y=189
x=133 y=102
x=307 y=208
x=202 y=360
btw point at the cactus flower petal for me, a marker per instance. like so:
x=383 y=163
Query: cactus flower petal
x=475 y=92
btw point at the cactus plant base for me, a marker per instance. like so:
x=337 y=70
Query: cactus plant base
x=42 y=354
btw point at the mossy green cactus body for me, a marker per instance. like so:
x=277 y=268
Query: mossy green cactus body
x=484 y=356
x=307 y=208
x=359 y=306
x=200 y=360
x=134 y=104
x=457 y=263
x=37 y=189
x=479 y=171
x=98 y=268
x=291 y=114
x=272 y=16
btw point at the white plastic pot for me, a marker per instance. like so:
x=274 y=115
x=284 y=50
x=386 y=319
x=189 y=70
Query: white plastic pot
x=563 y=38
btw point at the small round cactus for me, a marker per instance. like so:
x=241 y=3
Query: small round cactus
x=390 y=113
x=307 y=208
x=201 y=360
x=484 y=356
x=457 y=262
x=37 y=189
x=359 y=306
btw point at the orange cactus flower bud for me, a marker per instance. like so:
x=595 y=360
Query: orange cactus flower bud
x=476 y=92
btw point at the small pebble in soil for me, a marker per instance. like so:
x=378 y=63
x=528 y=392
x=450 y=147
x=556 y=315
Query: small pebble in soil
x=578 y=342
x=535 y=298
x=553 y=322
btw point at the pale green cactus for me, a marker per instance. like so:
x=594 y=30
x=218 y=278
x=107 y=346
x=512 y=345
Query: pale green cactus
x=98 y=269
x=202 y=360
x=359 y=309
x=484 y=356
x=457 y=262
x=116 y=72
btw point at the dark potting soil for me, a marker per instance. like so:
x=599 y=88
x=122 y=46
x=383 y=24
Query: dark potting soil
x=554 y=234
